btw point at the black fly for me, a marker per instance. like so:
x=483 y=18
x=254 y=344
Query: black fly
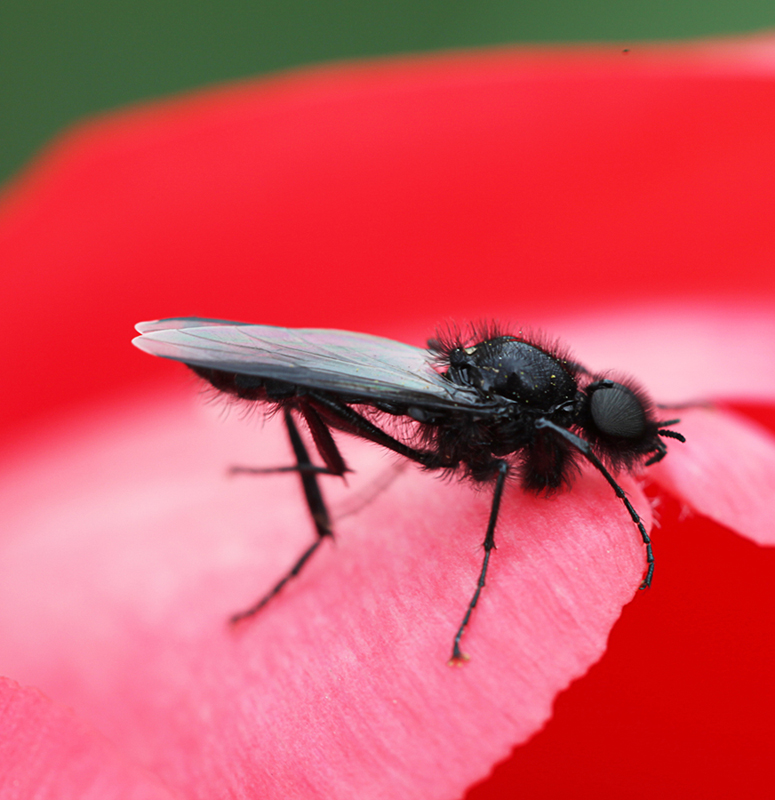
x=486 y=407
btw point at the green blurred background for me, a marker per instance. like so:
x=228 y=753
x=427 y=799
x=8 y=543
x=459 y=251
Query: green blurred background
x=61 y=61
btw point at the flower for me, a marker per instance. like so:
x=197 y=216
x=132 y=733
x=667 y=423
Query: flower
x=622 y=201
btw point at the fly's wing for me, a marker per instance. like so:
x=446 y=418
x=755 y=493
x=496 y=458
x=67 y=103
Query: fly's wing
x=177 y=323
x=355 y=365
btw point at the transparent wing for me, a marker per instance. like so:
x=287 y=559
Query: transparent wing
x=353 y=364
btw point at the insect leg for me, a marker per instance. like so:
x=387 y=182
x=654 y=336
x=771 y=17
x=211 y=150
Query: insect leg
x=586 y=450
x=313 y=496
x=341 y=416
x=324 y=442
x=489 y=543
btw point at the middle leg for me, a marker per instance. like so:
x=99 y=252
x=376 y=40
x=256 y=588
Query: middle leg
x=489 y=543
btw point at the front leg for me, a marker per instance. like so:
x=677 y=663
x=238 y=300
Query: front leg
x=584 y=447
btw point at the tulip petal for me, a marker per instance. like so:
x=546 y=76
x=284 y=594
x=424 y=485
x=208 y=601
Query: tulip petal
x=47 y=752
x=116 y=590
x=352 y=197
x=682 y=350
x=726 y=471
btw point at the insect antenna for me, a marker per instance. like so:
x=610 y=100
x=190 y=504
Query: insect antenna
x=671 y=434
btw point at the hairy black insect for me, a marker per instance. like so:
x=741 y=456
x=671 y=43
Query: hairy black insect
x=485 y=406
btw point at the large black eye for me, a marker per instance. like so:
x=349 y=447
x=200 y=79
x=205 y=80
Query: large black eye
x=617 y=411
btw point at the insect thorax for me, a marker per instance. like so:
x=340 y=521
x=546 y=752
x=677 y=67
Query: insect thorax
x=515 y=370
x=529 y=382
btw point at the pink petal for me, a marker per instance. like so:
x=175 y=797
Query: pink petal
x=115 y=593
x=685 y=350
x=726 y=470
x=47 y=752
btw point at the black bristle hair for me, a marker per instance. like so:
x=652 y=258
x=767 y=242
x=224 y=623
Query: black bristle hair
x=450 y=337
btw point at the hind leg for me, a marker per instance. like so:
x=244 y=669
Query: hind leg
x=308 y=473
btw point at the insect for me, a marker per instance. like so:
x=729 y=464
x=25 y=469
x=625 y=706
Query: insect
x=486 y=407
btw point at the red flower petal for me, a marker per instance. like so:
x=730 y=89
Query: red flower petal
x=47 y=752
x=539 y=182
x=727 y=472
x=132 y=567
x=683 y=350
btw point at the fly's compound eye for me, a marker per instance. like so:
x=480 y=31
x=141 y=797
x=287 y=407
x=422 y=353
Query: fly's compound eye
x=616 y=410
